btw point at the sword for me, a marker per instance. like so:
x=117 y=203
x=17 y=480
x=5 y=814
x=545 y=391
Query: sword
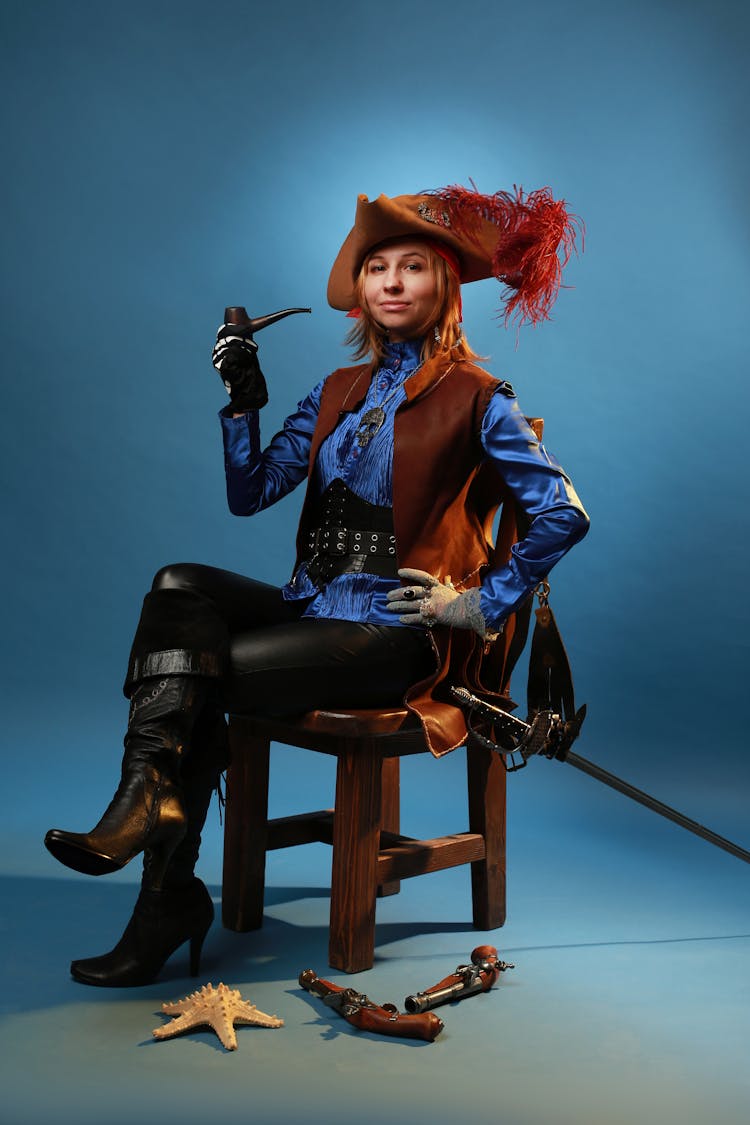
x=548 y=734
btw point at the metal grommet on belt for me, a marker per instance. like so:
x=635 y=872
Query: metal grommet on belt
x=353 y=536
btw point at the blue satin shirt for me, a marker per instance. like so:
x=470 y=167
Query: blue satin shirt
x=257 y=478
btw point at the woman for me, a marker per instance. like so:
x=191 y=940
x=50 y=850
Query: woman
x=397 y=592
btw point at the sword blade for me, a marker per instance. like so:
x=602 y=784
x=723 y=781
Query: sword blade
x=517 y=728
x=659 y=807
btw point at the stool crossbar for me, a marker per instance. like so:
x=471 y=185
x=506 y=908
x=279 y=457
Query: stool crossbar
x=370 y=856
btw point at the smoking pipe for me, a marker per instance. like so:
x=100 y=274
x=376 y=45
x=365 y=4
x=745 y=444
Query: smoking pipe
x=236 y=314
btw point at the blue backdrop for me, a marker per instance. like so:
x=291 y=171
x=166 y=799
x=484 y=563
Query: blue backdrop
x=166 y=159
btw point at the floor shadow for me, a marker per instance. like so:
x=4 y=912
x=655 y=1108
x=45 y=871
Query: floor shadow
x=49 y=922
x=614 y=942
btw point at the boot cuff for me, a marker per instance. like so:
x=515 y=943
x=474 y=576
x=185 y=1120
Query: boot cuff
x=174 y=662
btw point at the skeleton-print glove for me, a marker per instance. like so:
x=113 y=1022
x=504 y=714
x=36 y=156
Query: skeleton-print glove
x=235 y=357
x=428 y=601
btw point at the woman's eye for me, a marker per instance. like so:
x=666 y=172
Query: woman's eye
x=414 y=266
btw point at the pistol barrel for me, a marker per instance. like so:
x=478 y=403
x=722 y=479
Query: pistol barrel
x=424 y=1001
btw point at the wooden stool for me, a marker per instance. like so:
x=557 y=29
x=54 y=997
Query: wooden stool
x=369 y=855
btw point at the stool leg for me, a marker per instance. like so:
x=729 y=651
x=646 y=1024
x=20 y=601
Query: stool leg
x=245 y=830
x=486 y=779
x=356 y=842
x=390 y=816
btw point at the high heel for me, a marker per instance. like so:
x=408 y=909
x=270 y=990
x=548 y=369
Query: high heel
x=196 y=946
x=161 y=922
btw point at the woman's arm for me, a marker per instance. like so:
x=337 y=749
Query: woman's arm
x=258 y=478
x=541 y=487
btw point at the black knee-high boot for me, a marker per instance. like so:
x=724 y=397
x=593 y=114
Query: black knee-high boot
x=180 y=909
x=147 y=810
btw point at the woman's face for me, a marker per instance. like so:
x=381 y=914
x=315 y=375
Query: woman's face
x=400 y=288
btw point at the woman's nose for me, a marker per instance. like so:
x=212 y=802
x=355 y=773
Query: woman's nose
x=393 y=280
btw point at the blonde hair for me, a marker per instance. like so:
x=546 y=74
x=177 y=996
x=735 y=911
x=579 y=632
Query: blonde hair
x=369 y=339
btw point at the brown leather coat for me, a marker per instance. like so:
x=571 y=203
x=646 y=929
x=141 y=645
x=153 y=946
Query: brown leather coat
x=445 y=497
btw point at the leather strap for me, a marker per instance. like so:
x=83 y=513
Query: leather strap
x=352 y=537
x=550 y=683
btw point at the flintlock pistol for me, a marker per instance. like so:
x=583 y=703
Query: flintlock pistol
x=360 y=1012
x=467 y=980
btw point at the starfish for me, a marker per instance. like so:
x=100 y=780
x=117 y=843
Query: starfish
x=218 y=1008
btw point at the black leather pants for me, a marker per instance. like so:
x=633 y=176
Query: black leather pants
x=265 y=656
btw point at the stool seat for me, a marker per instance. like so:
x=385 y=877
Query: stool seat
x=370 y=856
x=356 y=723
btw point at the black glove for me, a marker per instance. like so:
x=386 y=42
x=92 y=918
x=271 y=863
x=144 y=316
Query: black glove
x=235 y=357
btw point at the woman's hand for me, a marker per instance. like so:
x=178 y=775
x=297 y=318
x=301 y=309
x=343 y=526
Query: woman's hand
x=235 y=357
x=428 y=601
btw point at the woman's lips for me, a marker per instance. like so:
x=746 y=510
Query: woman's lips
x=394 y=306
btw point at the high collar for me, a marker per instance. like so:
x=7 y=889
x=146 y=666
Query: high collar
x=418 y=379
x=402 y=356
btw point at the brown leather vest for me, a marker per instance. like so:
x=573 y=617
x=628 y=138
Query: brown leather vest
x=445 y=497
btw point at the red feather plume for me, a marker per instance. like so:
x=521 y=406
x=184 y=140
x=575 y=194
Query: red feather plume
x=535 y=239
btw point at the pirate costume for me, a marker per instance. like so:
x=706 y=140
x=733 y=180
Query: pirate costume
x=407 y=465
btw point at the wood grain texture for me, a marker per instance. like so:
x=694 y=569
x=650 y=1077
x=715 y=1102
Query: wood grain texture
x=370 y=856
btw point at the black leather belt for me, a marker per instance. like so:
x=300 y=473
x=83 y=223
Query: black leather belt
x=353 y=537
x=335 y=541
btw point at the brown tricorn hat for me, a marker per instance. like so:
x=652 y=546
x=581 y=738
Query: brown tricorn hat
x=522 y=240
